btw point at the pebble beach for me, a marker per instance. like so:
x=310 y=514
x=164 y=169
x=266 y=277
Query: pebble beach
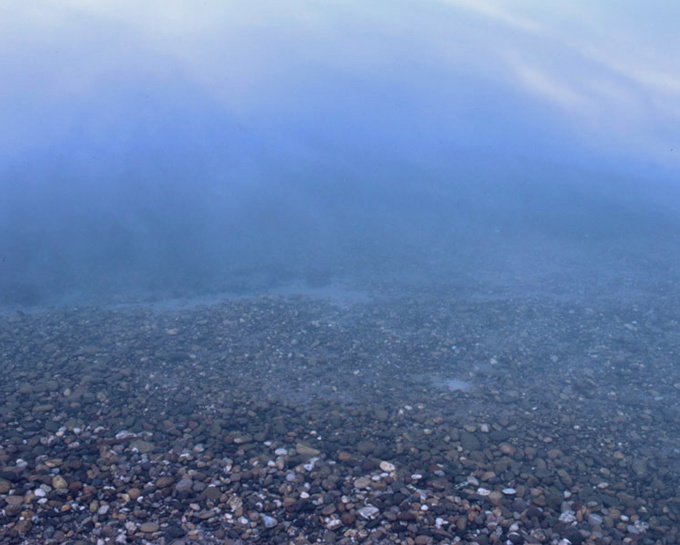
x=296 y=420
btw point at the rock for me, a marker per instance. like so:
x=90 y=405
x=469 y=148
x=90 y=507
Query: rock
x=212 y=493
x=59 y=483
x=269 y=522
x=184 y=485
x=305 y=450
x=5 y=486
x=469 y=441
x=348 y=518
x=362 y=482
x=369 y=512
x=149 y=527
x=366 y=447
x=495 y=497
x=164 y=482
x=144 y=447
x=14 y=500
x=387 y=467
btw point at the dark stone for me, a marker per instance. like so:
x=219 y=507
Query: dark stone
x=469 y=441
x=574 y=536
x=515 y=538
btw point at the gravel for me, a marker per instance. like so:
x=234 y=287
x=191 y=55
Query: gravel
x=296 y=420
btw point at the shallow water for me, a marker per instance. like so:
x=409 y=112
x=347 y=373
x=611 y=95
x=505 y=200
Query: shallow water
x=573 y=407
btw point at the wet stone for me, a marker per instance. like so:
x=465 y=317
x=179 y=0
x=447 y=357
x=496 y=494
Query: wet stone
x=5 y=486
x=230 y=432
x=184 y=485
x=469 y=441
x=149 y=527
x=164 y=482
x=144 y=447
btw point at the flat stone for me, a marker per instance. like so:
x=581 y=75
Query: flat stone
x=305 y=450
x=5 y=486
x=269 y=522
x=149 y=527
x=213 y=493
x=369 y=512
x=469 y=441
x=387 y=467
x=14 y=500
x=144 y=447
x=164 y=482
x=184 y=485
x=362 y=482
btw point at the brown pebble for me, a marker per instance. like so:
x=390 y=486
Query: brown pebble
x=149 y=527
x=5 y=486
x=362 y=482
x=507 y=448
x=164 y=482
x=134 y=493
x=554 y=453
x=495 y=497
x=14 y=500
x=212 y=493
x=23 y=526
x=306 y=450
x=348 y=518
x=59 y=482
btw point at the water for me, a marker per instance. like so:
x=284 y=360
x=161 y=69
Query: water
x=315 y=275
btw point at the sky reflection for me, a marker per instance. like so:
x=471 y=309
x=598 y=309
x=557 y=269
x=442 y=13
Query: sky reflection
x=196 y=146
x=565 y=81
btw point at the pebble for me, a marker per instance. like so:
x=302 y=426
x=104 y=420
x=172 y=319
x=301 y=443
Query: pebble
x=369 y=512
x=306 y=450
x=134 y=493
x=387 y=467
x=363 y=482
x=269 y=522
x=149 y=527
x=144 y=447
x=164 y=482
x=59 y=483
x=595 y=519
x=208 y=468
x=184 y=485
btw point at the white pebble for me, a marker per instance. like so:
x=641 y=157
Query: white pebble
x=269 y=522
x=333 y=523
x=387 y=467
x=568 y=517
x=368 y=512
